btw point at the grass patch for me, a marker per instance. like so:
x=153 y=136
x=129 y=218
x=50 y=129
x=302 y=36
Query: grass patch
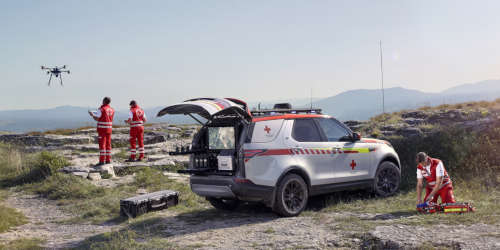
x=401 y=208
x=106 y=176
x=352 y=224
x=172 y=168
x=125 y=239
x=123 y=154
x=21 y=244
x=38 y=173
x=9 y=217
x=99 y=204
x=120 y=144
x=154 y=180
x=63 y=186
x=136 y=169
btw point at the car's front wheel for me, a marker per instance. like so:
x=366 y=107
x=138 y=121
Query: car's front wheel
x=292 y=195
x=387 y=179
x=223 y=204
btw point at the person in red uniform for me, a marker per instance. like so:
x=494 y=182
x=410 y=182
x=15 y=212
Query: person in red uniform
x=136 y=120
x=438 y=181
x=104 y=118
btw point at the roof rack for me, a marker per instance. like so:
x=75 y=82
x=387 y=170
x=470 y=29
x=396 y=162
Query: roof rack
x=264 y=112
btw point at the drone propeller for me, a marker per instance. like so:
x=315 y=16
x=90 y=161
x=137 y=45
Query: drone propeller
x=64 y=66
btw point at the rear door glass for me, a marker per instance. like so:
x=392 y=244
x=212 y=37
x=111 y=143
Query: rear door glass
x=333 y=131
x=305 y=130
x=266 y=131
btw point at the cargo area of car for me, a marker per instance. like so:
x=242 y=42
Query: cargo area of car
x=214 y=150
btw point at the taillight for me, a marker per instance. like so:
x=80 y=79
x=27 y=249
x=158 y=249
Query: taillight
x=241 y=181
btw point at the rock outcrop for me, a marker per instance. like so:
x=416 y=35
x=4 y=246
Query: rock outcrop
x=420 y=122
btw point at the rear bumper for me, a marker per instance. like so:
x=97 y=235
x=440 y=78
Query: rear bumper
x=226 y=187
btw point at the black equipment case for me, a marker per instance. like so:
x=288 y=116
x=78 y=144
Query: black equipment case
x=137 y=205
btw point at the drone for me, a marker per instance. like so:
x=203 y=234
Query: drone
x=55 y=71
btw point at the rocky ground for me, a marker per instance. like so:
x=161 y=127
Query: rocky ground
x=251 y=227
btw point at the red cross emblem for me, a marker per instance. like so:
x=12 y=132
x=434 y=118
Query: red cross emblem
x=267 y=129
x=353 y=164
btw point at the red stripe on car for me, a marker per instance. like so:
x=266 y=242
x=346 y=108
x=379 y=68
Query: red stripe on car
x=277 y=152
x=350 y=152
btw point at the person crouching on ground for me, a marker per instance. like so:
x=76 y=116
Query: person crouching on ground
x=438 y=181
x=104 y=118
x=136 y=120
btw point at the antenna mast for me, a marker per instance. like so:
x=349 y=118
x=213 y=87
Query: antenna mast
x=382 y=78
x=311 y=98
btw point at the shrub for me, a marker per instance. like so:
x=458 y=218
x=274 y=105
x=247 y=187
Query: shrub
x=33 y=168
x=63 y=186
x=466 y=155
x=21 y=244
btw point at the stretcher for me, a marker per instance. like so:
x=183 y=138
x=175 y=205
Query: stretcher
x=137 y=205
x=447 y=208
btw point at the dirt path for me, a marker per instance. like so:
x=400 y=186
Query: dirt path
x=45 y=223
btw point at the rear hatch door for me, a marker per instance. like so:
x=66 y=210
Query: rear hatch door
x=210 y=108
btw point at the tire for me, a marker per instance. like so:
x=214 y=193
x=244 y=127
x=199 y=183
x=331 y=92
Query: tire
x=387 y=179
x=291 y=196
x=223 y=204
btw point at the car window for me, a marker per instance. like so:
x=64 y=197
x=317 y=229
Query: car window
x=333 y=131
x=266 y=131
x=304 y=130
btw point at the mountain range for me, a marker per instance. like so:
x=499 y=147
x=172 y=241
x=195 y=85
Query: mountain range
x=358 y=104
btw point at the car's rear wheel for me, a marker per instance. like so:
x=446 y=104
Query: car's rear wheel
x=387 y=179
x=223 y=204
x=291 y=196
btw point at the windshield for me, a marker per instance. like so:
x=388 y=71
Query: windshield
x=221 y=138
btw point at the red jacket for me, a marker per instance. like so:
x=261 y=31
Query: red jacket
x=137 y=117
x=105 y=122
x=431 y=177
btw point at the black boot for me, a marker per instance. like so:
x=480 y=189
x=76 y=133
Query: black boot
x=130 y=160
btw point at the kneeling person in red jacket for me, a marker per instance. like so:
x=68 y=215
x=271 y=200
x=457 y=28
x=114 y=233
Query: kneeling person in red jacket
x=438 y=181
x=136 y=120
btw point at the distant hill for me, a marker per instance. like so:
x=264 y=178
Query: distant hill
x=68 y=117
x=358 y=104
x=363 y=104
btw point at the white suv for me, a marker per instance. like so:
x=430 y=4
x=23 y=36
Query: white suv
x=280 y=157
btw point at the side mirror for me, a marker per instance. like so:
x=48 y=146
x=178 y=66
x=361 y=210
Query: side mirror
x=356 y=136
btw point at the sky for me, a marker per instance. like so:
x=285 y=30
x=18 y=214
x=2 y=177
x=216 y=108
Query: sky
x=164 y=52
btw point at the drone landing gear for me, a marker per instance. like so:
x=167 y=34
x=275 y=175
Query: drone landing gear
x=50 y=78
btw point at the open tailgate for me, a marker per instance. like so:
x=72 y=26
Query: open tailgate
x=209 y=108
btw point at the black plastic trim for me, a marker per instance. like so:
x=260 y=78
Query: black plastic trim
x=330 y=188
x=243 y=191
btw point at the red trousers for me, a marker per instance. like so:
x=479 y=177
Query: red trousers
x=446 y=194
x=104 y=146
x=137 y=134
